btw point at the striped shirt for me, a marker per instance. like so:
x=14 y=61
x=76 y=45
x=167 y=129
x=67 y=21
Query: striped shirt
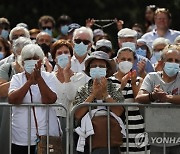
x=135 y=122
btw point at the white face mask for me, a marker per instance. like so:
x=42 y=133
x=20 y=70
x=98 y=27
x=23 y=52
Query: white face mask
x=29 y=65
x=125 y=66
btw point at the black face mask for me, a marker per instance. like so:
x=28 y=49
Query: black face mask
x=45 y=48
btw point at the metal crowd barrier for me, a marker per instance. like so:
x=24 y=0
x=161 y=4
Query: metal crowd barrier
x=159 y=117
x=29 y=106
x=154 y=113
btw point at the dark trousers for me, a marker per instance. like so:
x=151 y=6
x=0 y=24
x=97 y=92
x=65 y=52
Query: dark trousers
x=18 y=149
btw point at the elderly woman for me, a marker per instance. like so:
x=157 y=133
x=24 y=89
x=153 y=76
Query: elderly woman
x=31 y=86
x=126 y=79
x=101 y=90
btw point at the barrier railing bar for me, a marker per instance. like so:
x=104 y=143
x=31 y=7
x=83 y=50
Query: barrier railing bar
x=29 y=130
x=108 y=126
x=127 y=130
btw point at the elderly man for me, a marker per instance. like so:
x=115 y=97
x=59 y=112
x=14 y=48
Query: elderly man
x=163 y=87
x=15 y=33
x=128 y=38
x=162 y=21
x=82 y=42
x=44 y=40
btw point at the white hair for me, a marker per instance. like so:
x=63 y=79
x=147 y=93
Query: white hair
x=26 y=32
x=31 y=50
x=160 y=40
x=177 y=39
x=20 y=43
x=84 y=30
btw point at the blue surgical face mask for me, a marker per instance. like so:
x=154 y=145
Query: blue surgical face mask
x=97 y=73
x=130 y=45
x=29 y=65
x=1 y=55
x=80 y=49
x=49 y=31
x=141 y=52
x=4 y=34
x=62 y=60
x=64 y=29
x=171 y=69
x=157 y=55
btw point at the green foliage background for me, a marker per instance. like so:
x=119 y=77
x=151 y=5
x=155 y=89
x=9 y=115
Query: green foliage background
x=130 y=11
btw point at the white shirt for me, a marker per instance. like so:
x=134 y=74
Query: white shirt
x=76 y=66
x=66 y=92
x=20 y=114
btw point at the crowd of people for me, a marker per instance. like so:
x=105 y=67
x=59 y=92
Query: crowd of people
x=80 y=65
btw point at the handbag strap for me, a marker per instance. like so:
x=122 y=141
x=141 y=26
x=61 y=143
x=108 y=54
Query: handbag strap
x=34 y=113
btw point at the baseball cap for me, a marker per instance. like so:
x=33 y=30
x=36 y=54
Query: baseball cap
x=103 y=43
x=73 y=26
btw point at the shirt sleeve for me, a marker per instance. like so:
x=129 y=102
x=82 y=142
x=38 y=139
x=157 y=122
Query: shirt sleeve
x=4 y=70
x=147 y=84
x=77 y=80
x=14 y=83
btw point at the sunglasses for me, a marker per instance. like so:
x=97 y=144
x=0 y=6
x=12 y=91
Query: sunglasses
x=78 y=41
x=46 y=27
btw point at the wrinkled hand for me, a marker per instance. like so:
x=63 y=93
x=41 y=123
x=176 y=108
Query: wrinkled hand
x=119 y=23
x=67 y=70
x=48 y=65
x=159 y=94
x=141 y=67
x=125 y=79
x=36 y=74
x=99 y=88
x=90 y=22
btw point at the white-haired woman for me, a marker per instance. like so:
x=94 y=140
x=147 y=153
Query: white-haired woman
x=31 y=86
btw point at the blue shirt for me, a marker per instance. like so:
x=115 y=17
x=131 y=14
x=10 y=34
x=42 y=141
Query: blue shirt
x=151 y=36
x=148 y=67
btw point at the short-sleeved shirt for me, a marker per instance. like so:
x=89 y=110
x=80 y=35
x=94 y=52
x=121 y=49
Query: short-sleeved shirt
x=7 y=71
x=155 y=78
x=173 y=88
x=20 y=114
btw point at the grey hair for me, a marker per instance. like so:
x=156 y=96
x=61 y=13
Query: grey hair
x=84 y=30
x=173 y=47
x=31 y=50
x=20 y=43
x=26 y=32
x=160 y=40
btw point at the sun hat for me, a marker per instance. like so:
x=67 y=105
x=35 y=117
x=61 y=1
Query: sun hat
x=111 y=68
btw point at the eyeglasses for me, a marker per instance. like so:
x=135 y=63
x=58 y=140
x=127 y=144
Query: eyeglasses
x=78 y=41
x=46 y=27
